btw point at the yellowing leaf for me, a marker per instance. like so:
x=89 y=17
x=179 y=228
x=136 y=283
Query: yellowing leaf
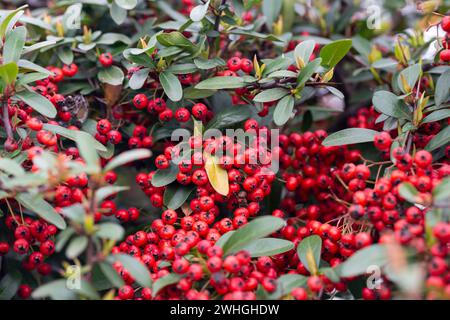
x=218 y=177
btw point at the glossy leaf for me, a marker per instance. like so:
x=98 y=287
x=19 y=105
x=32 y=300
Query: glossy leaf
x=350 y=136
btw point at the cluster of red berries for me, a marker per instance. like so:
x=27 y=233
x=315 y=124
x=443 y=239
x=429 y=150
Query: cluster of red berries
x=445 y=53
x=33 y=239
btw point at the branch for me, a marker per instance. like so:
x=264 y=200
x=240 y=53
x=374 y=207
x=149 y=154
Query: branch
x=5 y=115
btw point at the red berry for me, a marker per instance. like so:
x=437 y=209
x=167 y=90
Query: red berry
x=106 y=59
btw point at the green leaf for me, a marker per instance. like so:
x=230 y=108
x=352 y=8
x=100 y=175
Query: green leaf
x=333 y=52
x=309 y=250
x=175 y=196
x=437 y=115
x=441 y=192
x=87 y=290
x=10 y=284
x=308 y=71
x=88 y=152
x=227 y=117
x=206 y=64
x=76 y=246
x=74 y=135
x=199 y=12
x=37 y=102
x=171 y=85
x=255 y=229
x=111 y=274
x=304 y=50
x=266 y=247
x=362 y=45
x=30 y=77
x=439 y=140
x=138 y=78
x=28 y=65
x=270 y=95
x=283 y=110
x=118 y=14
x=112 y=75
x=111 y=38
x=286 y=283
x=110 y=230
x=42 y=208
x=65 y=54
x=408 y=192
x=56 y=290
x=194 y=93
x=127 y=157
x=63 y=237
x=75 y=212
x=388 y=103
x=136 y=268
x=126 y=4
x=271 y=10
x=217 y=83
x=8 y=72
x=442 y=90
x=349 y=136
x=176 y=39
x=163 y=177
x=223 y=239
x=165 y=281
x=358 y=263
x=14 y=43
x=107 y=191
x=410 y=75
x=11 y=167
x=8 y=19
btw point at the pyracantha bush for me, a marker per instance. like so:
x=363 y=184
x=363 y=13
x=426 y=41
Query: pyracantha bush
x=224 y=150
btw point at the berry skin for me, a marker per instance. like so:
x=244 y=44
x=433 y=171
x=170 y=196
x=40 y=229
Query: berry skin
x=299 y=294
x=70 y=70
x=315 y=284
x=126 y=292
x=234 y=64
x=383 y=141
x=106 y=59
x=104 y=126
x=114 y=136
x=246 y=65
x=24 y=291
x=445 y=23
x=445 y=55
x=34 y=124
x=4 y=248
x=140 y=101
x=182 y=115
x=423 y=159
x=199 y=111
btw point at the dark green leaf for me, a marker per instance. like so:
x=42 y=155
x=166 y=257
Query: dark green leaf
x=171 y=85
x=217 y=83
x=308 y=71
x=266 y=247
x=439 y=140
x=283 y=110
x=164 y=177
x=37 y=102
x=136 y=268
x=138 y=78
x=256 y=229
x=309 y=250
x=127 y=157
x=230 y=116
x=112 y=75
x=388 y=103
x=270 y=95
x=437 y=115
x=110 y=230
x=333 y=52
x=111 y=274
x=10 y=284
x=42 y=208
x=286 y=283
x=165 y=281
x=76 y=246
x=175 y=196
x=442 y=88
x=14 y=43
x=358 y=263
x=349 y=136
